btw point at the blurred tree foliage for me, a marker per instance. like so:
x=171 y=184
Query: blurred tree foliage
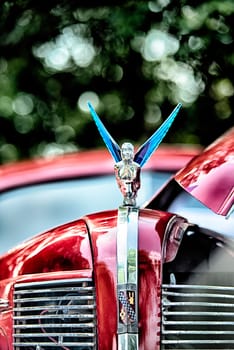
x=134 y=60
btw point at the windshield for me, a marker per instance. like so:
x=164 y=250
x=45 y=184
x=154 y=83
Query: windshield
x=33 y=209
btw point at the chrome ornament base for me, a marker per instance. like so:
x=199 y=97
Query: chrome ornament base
x=128 y=342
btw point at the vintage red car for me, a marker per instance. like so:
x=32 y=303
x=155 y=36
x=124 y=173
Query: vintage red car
x=157 y=276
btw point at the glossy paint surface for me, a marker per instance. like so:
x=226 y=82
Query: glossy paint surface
x=86 y=163
x=3 y=340
x=65 y=248
x=209 y=176
x=103 y=239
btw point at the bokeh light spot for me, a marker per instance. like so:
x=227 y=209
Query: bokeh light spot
x=88 y=96
x=158 y=45
x=23 y=104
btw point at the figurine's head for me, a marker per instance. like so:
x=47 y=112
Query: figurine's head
x=127 y=151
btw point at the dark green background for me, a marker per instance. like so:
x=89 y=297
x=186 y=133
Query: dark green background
x=40 y=112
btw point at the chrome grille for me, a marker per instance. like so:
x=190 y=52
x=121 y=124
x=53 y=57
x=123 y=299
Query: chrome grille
x=197 y=317
x=55 y=315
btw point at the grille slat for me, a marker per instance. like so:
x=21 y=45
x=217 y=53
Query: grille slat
x=49 y=290
x=199 y=323
x=197 y=332
x=52 y=346
x=199 y=304
x=29 y=300
x=49 y=325
x=197 y=317
x=33 y=317
x=53 y=307
x=33 y=335
x=55 y=314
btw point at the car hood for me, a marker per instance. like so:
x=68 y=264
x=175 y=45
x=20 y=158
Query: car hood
x=209 y=177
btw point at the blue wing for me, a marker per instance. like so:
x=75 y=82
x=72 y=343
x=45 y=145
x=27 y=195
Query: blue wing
x=147 y=149
x=111 y=144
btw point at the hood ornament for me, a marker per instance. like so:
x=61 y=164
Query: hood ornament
x=127 y=171
x=127 y=164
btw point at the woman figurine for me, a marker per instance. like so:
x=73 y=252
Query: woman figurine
x=127 y=174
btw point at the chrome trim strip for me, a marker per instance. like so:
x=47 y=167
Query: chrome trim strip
x=52 y=325
x=193 y=342
x=127 y=278
x=53 y=282
x=200 y=295
x=179 y=332
x=41 y=317
x=197 y=286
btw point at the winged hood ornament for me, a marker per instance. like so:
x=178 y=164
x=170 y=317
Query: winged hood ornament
x=127 y=164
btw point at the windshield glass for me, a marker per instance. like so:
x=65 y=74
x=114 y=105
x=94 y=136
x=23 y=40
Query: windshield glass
x=33 y=209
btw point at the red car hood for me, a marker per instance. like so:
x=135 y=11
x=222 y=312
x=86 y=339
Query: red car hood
x=209 y=177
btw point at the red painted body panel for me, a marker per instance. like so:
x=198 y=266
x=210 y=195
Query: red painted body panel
x=209 y=176
x=4 y=340
x=86 y=163
x=65 y=248
x=103 y=237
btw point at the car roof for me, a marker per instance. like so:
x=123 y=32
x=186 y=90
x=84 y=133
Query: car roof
x=87 y=163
